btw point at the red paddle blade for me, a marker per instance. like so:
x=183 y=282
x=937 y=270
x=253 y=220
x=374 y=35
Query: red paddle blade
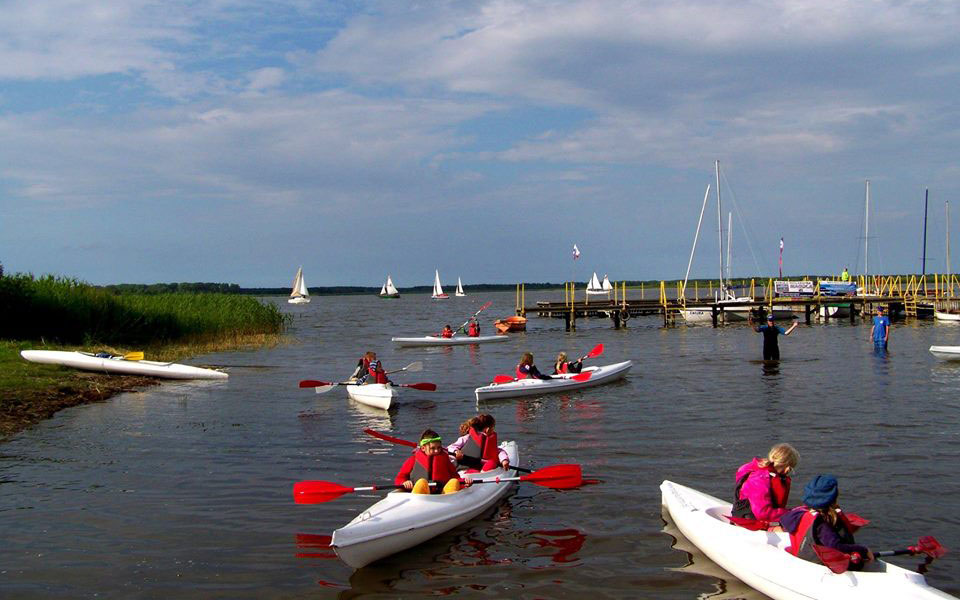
x=597 y=351
x=426 y=387
x=836 y=561
x=485 y=307
x=582 y=376
x=930 y=546
x=751 y=524
x=556 y=476
x=390 y=438
x=502 y=379
x=317 y=492
x=309 y=383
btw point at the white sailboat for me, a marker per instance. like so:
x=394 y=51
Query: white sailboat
x=437 y=288
x=459 y=293
x=595 y=288
x=299 y=293
x=606 y=284
x=389 y=290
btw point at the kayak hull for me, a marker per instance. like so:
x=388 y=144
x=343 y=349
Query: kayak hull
x=117 y=366
x=430 y=340
x=561 y=383
x=946 y=352
x=402 y=520
x=760 y=560
x=377 y=395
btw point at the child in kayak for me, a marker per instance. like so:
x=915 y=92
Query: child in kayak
x=821 y=522
x=473 y=329
x=562 y=366
x=477 y=446
x=447 y=332
x=370 y=370
x=763 y=486
x=526 y=368
x=429 y=463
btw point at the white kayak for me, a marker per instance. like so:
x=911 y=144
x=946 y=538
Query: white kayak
x=946 y=352
x=402 y=520
x=118 y=365
x=559 y=383
x=377 y=395
x=760 y=559
x=432 y=340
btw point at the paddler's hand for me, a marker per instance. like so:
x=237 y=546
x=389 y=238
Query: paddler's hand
x=408 y=485
x=504 y=464
x=458 y=455
x=467 y=481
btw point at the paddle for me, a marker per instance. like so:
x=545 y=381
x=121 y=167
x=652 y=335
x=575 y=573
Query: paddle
x=323 y=387
x=751 y=524
x=597 y=351
x=402 y=442
x=137 y=355
x=318 y=492
x=577 y=377
x=482 y=308
x=413 y=367
x=839 y=562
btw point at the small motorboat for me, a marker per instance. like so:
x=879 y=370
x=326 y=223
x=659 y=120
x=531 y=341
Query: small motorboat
x=760 y=559
x=402 y=520
x=559 y=383
x=511 y=324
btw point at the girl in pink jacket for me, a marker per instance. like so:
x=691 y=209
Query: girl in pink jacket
x=763 y=485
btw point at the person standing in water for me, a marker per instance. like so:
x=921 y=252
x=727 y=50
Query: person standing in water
x=770 y=331
x=880 y=332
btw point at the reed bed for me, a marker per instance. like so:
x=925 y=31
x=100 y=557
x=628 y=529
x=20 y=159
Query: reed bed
x=66 y=311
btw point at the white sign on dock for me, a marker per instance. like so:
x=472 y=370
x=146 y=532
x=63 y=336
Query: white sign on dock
x=793 y=288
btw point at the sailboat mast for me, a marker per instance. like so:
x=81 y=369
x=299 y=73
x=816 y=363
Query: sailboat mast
x=729 y=240
x=948 y=239
x=723 y=287
x=923 y=259
x=706 y=195
x=866 y=233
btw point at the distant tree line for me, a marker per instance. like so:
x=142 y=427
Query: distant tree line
x=173 y=288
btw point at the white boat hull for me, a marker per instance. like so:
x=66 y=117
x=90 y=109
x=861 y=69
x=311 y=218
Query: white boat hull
x=730 y=314
x=560 y=383
x=402 y=520
x=300 y=300
x=759 y=558
x=431 y=340
x=377 y=395
x=946 y=316
x=946 y=352
x=87 y=362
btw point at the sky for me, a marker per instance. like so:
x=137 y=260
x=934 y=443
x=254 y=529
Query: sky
x=235 y=140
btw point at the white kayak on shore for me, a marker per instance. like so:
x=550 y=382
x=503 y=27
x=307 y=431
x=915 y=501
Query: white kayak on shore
x=432 y=340
x=402 y=520
x=559 y=383
x=946 y=352
x=119 y=366
x=377 y=395
x=760 y=559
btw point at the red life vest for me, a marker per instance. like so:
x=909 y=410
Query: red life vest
x=446 y=333
x=473 y=330
x=563 y=368
x=436 y=468
x=479 y=447
x=521 y=373
x=779 y=492
x=802 y=539
x=375 y=371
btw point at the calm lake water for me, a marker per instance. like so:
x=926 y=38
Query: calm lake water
x=184 y=490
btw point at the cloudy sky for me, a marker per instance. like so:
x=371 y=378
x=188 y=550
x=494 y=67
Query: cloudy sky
x=233 y=140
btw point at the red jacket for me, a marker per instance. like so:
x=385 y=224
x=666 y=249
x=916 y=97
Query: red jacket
x=440 y=469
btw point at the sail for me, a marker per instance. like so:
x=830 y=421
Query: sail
x=594 y=284
x=389 y=287
x=299 y=288
x=383 y=290
x=437 y=288
x=459 y=288
x=606 y=283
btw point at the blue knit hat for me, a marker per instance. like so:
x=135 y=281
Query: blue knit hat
x=821 y=492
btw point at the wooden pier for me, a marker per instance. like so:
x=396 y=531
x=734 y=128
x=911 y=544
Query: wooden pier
x=898 y=295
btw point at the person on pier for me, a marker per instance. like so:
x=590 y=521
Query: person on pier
x=770 y=331
x=526 y=368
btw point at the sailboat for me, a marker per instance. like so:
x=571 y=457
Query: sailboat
x=459 y=293
x=389 y=290
x=299 y=293
x=595 y=288
x=437 y=288
x=734 y=308
x=606 y=284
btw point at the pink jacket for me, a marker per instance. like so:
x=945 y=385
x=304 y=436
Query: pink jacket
x=756 y=490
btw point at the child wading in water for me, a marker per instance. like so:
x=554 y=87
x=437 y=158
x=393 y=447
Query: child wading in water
x=429 y=464
x=477 y=446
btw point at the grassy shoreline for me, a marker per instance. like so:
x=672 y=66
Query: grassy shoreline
x=31 y=392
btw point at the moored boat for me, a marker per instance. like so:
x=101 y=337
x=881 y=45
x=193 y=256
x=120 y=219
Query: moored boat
x=402 y=520
x=377 y=395
x=119 y=366
x=946 y=352
x=760 y=559
x=514 y=323
x=433 y=340
x=947 y=315
x=559 y=383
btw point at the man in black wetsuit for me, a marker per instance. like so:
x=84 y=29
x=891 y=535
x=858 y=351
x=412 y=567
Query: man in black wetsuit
x=770 y=331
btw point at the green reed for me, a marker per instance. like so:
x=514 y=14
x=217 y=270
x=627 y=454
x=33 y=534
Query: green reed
x=68 y=311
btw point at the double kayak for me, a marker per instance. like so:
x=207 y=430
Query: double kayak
x=433 y=340
x=559 y=383
x=402 y=520
x=377 y=395
x=120 y=366
x=760 y=559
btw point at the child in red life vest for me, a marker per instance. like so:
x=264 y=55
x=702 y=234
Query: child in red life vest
x=477 y=446
x=820 y=521
x=447 y=332
x=562 y=366
x=429 y=463
x=374 y=370
x=473 y=329
x=526 y=368
x=763 y=485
